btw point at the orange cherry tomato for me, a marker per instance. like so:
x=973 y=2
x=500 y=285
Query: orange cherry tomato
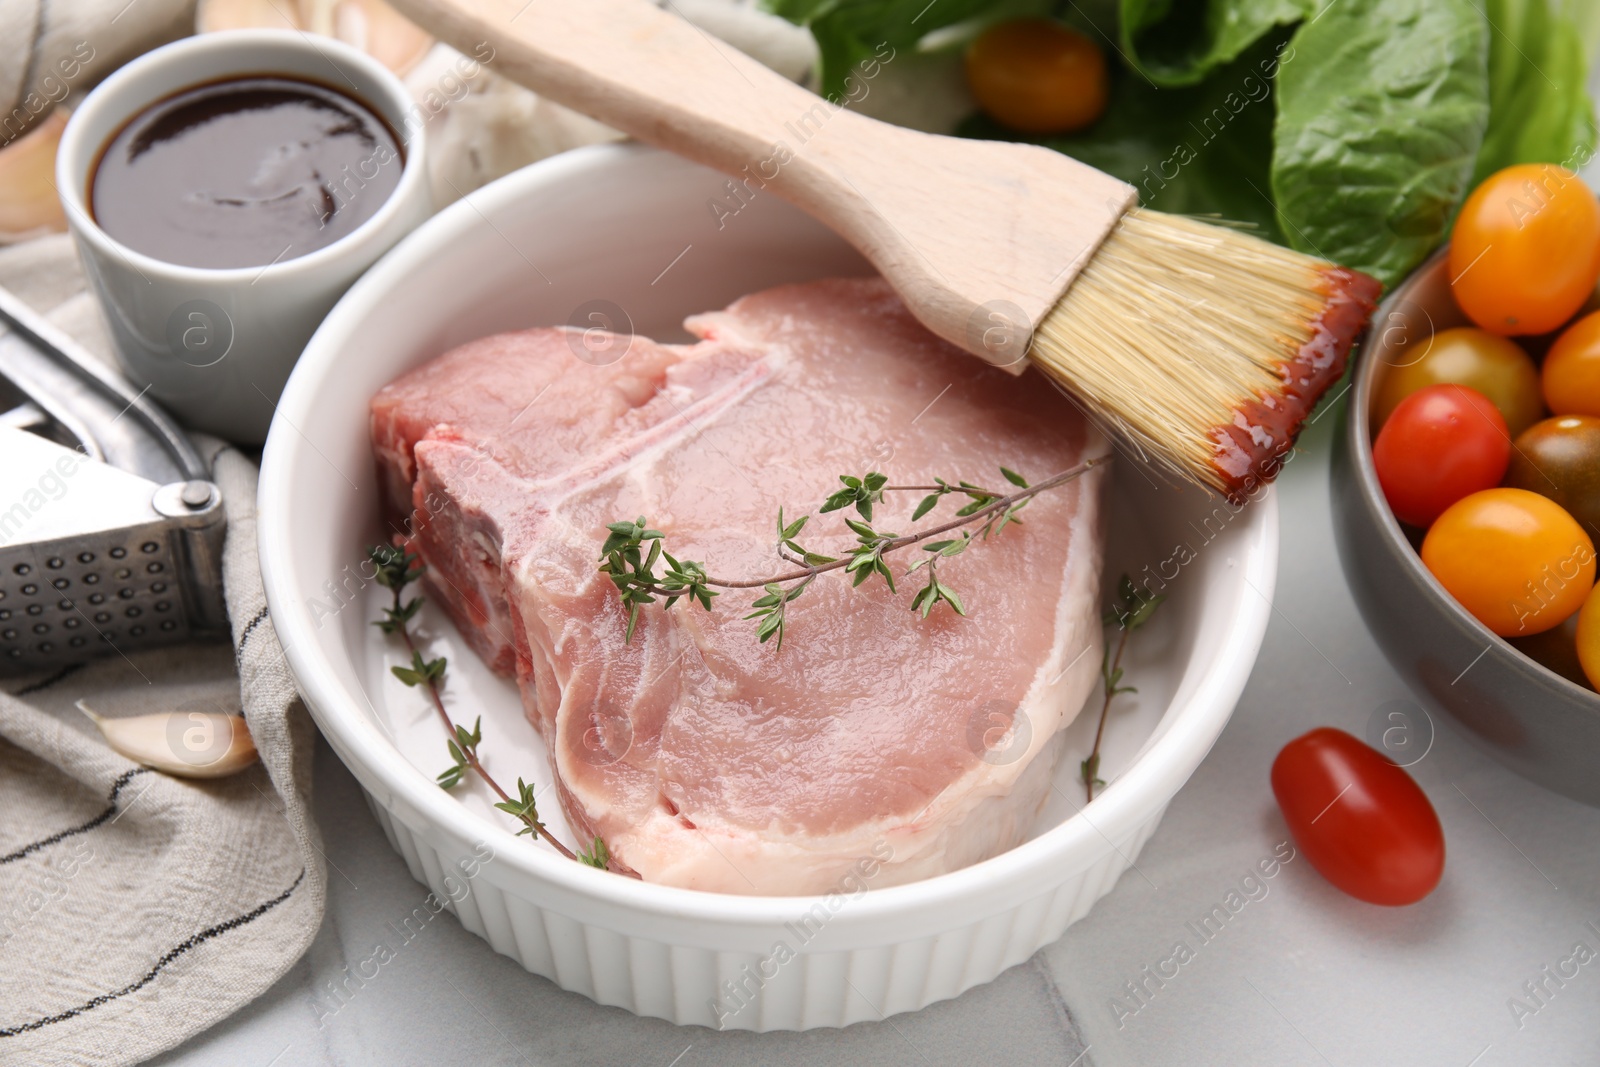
x=1517 y=561
x=1525 y=253
x=1571 y=375
x=1037 y=76
x=1495 y=366
x=1364 y=824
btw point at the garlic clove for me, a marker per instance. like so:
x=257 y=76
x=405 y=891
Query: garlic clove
x=370 y=25
x=188 y=744
x=213 y=15
x=381 y=32
x=29 y=206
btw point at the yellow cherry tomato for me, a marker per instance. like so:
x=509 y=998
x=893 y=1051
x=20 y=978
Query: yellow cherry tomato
x=1589 y=638
x=1525 y=253
x=1517 y=561
x=1571 y=375
x=1495 y=366
x=1037 y=76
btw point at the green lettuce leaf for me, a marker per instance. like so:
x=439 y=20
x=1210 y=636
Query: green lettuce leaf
x=1200 y=150
x=1585 y=16
x=1382 y=106
x=1180 y=42
x=1539 y=106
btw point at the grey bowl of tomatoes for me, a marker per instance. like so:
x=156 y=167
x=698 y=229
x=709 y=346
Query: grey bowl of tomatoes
x=1466 y=488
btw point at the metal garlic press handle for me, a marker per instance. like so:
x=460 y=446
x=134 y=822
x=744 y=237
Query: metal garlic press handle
x=112 y=421
x=110 y=528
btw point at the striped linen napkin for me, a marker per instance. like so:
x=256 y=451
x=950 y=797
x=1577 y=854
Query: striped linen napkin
x=138 y=909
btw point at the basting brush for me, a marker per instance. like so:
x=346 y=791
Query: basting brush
x=1204 y=347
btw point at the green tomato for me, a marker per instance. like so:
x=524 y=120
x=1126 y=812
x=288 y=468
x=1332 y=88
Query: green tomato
x=1560 y=458
x=1495 y=366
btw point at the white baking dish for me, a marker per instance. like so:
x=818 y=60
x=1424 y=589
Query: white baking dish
x=632 y=225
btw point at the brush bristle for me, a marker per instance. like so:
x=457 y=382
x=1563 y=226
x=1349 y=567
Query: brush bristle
x=1203 y=346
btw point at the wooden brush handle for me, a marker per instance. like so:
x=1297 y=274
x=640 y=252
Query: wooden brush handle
x=980 y=238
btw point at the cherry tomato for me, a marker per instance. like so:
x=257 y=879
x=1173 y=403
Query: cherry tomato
x=1494 y=366
x=1037 y=76
x=1589 y=638
x=1517 y=561
x=1360 y=820
x=1440 y=444
x=1571 y=375
x=1560 y=458
x=1525 y=253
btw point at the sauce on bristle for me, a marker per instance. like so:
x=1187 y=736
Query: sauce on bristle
x=1247 y=453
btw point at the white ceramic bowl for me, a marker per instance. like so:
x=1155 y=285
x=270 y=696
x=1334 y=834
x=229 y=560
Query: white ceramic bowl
x=605 y=223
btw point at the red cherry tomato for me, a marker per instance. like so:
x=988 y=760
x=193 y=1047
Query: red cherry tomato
x=1360 y=820
x=1442 y=443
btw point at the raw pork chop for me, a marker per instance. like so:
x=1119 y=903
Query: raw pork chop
x=703 y=758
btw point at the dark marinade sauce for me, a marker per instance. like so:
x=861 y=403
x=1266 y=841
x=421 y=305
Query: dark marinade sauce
x=244 y=173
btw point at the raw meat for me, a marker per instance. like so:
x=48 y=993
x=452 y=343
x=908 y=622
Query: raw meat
x=705 y=759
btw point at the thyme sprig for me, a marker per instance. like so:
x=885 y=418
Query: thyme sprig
x=396 y=569
x=1129 y=611
x=632 y=550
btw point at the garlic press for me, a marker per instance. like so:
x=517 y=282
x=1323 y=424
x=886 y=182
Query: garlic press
x=110 y=526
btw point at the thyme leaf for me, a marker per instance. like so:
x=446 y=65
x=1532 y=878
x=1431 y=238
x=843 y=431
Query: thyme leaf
x=863 y=492
x=597 y=856
x=525 y=809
